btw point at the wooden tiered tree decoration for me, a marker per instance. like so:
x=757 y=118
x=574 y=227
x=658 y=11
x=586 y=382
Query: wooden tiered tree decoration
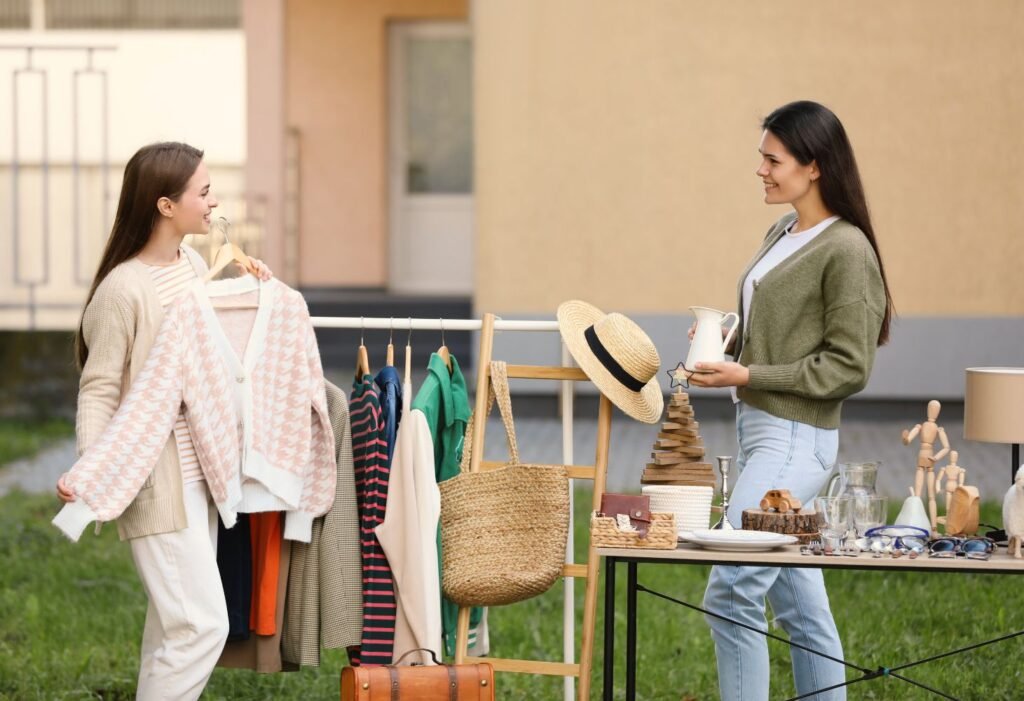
x=678 y=455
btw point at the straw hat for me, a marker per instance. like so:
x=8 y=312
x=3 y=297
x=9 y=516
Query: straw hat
x=617 y=356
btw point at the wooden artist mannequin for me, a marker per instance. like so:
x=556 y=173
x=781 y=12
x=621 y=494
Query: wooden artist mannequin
x=955 y=477
x=927 y=457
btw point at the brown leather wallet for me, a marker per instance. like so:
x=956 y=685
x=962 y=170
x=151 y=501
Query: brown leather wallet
x=636 y=506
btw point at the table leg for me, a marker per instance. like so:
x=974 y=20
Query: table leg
x=609 y=628
x=631 y=632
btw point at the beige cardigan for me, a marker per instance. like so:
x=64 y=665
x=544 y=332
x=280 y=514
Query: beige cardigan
x=408 y=536
x=119 y=326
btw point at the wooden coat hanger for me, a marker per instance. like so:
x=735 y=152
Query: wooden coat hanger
x=362 y=358
x=442 y=352
x=227 y=254
x=390 y=361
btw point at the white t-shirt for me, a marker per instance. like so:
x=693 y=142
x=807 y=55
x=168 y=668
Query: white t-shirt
x=783 y=249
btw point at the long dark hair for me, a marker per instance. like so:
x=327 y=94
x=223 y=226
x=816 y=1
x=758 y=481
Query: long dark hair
x=155 y=171
x=812 y=132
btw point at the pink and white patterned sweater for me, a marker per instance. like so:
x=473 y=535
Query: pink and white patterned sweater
x=283 y=437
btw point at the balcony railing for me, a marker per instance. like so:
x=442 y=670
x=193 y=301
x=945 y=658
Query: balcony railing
x=56 y=210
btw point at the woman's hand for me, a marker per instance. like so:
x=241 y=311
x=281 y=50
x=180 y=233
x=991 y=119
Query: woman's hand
x=262 y=271
x=724 y=374
x=64 y=492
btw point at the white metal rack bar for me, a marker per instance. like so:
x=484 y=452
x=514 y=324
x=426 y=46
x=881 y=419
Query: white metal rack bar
x=401 y=323
x=566 y=393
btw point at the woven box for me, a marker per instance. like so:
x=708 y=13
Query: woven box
x=660 y=535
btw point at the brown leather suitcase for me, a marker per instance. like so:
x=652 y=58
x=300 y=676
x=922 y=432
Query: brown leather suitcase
x=462 y=682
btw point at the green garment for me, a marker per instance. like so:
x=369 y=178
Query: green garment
x=444 y=401
x=813 y=329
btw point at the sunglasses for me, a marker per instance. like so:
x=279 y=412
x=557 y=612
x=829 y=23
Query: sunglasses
x=895 y=541
x=970 y=548
x=896 y=546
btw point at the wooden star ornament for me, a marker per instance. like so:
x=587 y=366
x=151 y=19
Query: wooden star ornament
x=680 y=376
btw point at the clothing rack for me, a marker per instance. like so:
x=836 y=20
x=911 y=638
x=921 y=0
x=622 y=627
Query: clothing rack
x=566 y=395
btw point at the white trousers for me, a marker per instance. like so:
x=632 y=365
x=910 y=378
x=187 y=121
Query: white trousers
x=187 y=619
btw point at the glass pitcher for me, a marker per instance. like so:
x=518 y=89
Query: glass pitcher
x=854 y=479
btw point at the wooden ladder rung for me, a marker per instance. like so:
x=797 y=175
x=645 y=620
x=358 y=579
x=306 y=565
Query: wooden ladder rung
x=585 y=472
x=555 y=669
x=546 y=372
x=574 y=570
x=581 y=472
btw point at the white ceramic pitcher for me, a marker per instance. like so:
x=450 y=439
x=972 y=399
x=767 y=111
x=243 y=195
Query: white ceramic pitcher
x=707 y=345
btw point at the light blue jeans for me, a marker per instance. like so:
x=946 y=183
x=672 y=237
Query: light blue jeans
x=774 y=454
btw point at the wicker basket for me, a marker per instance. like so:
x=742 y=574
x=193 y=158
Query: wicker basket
x=661 y=534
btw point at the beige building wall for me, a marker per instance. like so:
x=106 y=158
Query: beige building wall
x=616 y=145
x=336 y=86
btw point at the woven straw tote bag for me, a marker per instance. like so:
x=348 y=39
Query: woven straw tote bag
x=503 y=532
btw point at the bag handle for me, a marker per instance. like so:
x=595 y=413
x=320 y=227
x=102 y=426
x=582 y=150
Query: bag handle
x=430 y=652
x=393 y=677
x=499 y=381
x=497 y=389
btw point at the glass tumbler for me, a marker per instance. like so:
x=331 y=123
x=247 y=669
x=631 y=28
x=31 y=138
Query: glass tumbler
x=835 y=516
x=869 y=512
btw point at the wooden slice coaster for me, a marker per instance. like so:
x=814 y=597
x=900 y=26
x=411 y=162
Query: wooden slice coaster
x=802 y=524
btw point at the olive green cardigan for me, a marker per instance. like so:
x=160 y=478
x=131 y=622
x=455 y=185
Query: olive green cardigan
x=810 y=340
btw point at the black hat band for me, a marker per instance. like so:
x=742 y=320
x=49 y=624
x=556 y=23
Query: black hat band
x=609 y=363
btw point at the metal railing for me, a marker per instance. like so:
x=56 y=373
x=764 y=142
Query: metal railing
x=56 y=213
x=31 y=171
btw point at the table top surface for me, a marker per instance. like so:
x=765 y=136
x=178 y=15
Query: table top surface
x=1001 y=562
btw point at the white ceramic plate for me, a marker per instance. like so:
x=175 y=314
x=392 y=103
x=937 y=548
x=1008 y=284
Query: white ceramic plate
x=736 y=540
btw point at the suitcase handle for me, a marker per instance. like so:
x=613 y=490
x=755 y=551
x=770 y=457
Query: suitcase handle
x=453 y=683
x=418 y=649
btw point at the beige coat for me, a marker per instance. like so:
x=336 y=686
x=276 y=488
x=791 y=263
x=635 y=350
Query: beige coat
x=119 y=325
x=325 y=584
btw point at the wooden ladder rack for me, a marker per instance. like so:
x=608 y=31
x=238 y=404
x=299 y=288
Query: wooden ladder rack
x=597 y=472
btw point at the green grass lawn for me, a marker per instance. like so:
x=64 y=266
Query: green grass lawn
x=20 y=439
x=71 y=618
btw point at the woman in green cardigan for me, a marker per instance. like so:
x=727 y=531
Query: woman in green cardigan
x=814 y=305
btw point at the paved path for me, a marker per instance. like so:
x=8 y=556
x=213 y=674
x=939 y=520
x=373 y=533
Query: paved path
x=40 y=473
x=862 y=437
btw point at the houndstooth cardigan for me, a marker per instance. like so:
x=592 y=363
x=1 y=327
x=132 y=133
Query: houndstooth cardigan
x=288 y=445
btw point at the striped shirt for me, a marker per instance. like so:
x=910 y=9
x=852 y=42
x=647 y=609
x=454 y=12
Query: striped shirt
x=370 y=458
x=171 y=280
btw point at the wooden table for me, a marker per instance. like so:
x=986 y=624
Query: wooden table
x=789 y=556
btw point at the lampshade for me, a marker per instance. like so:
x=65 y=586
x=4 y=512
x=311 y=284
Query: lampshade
x=994 y=405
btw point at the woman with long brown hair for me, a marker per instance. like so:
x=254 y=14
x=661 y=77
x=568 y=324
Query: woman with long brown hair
x=171 y=525
x=814 y=305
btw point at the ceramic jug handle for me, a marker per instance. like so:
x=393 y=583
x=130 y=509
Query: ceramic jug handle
x=732 y=329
